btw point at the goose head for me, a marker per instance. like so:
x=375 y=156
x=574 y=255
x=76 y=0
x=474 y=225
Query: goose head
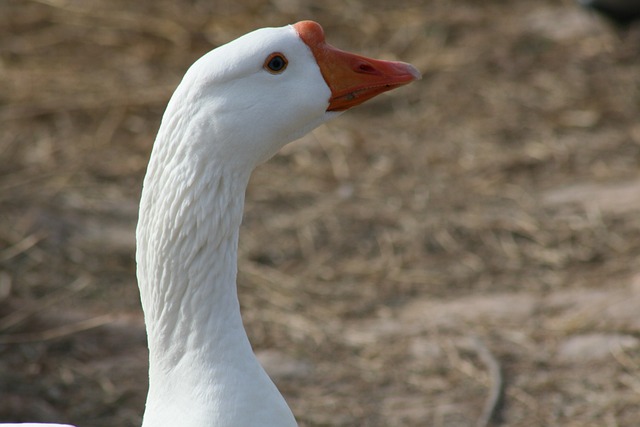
x=246 y=99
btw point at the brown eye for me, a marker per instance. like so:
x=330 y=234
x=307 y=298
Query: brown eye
x=275 y=63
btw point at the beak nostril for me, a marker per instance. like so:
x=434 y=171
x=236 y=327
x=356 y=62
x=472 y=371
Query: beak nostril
x=366 y=68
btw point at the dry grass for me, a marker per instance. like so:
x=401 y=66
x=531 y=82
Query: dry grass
x=395 y=264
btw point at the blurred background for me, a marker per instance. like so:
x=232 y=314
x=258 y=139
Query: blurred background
x=482 y=221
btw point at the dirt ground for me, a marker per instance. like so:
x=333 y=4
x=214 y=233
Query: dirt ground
x=464 y=248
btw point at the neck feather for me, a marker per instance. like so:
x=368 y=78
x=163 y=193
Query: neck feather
x=202 y=368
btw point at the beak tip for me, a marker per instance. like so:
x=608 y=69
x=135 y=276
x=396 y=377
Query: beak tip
x=417 y=75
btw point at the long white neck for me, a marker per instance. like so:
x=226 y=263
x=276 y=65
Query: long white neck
x=202 y=369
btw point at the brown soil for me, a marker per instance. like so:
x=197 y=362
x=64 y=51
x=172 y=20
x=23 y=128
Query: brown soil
x=482 y=221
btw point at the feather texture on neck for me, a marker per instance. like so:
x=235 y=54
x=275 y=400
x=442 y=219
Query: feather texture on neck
x=201 y=362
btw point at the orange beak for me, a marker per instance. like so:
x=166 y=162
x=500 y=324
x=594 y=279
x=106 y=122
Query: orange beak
x=352 y=78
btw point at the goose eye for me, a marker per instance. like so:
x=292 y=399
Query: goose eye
x=275 y=63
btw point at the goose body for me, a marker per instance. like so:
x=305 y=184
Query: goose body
x=234 y=109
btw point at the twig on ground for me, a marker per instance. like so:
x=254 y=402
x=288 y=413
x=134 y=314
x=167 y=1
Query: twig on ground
x=59 y=332
x=24 y=313
x=21 y=247
x=496 y=389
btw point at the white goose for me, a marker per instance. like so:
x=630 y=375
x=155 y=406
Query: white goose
x=234 y=109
